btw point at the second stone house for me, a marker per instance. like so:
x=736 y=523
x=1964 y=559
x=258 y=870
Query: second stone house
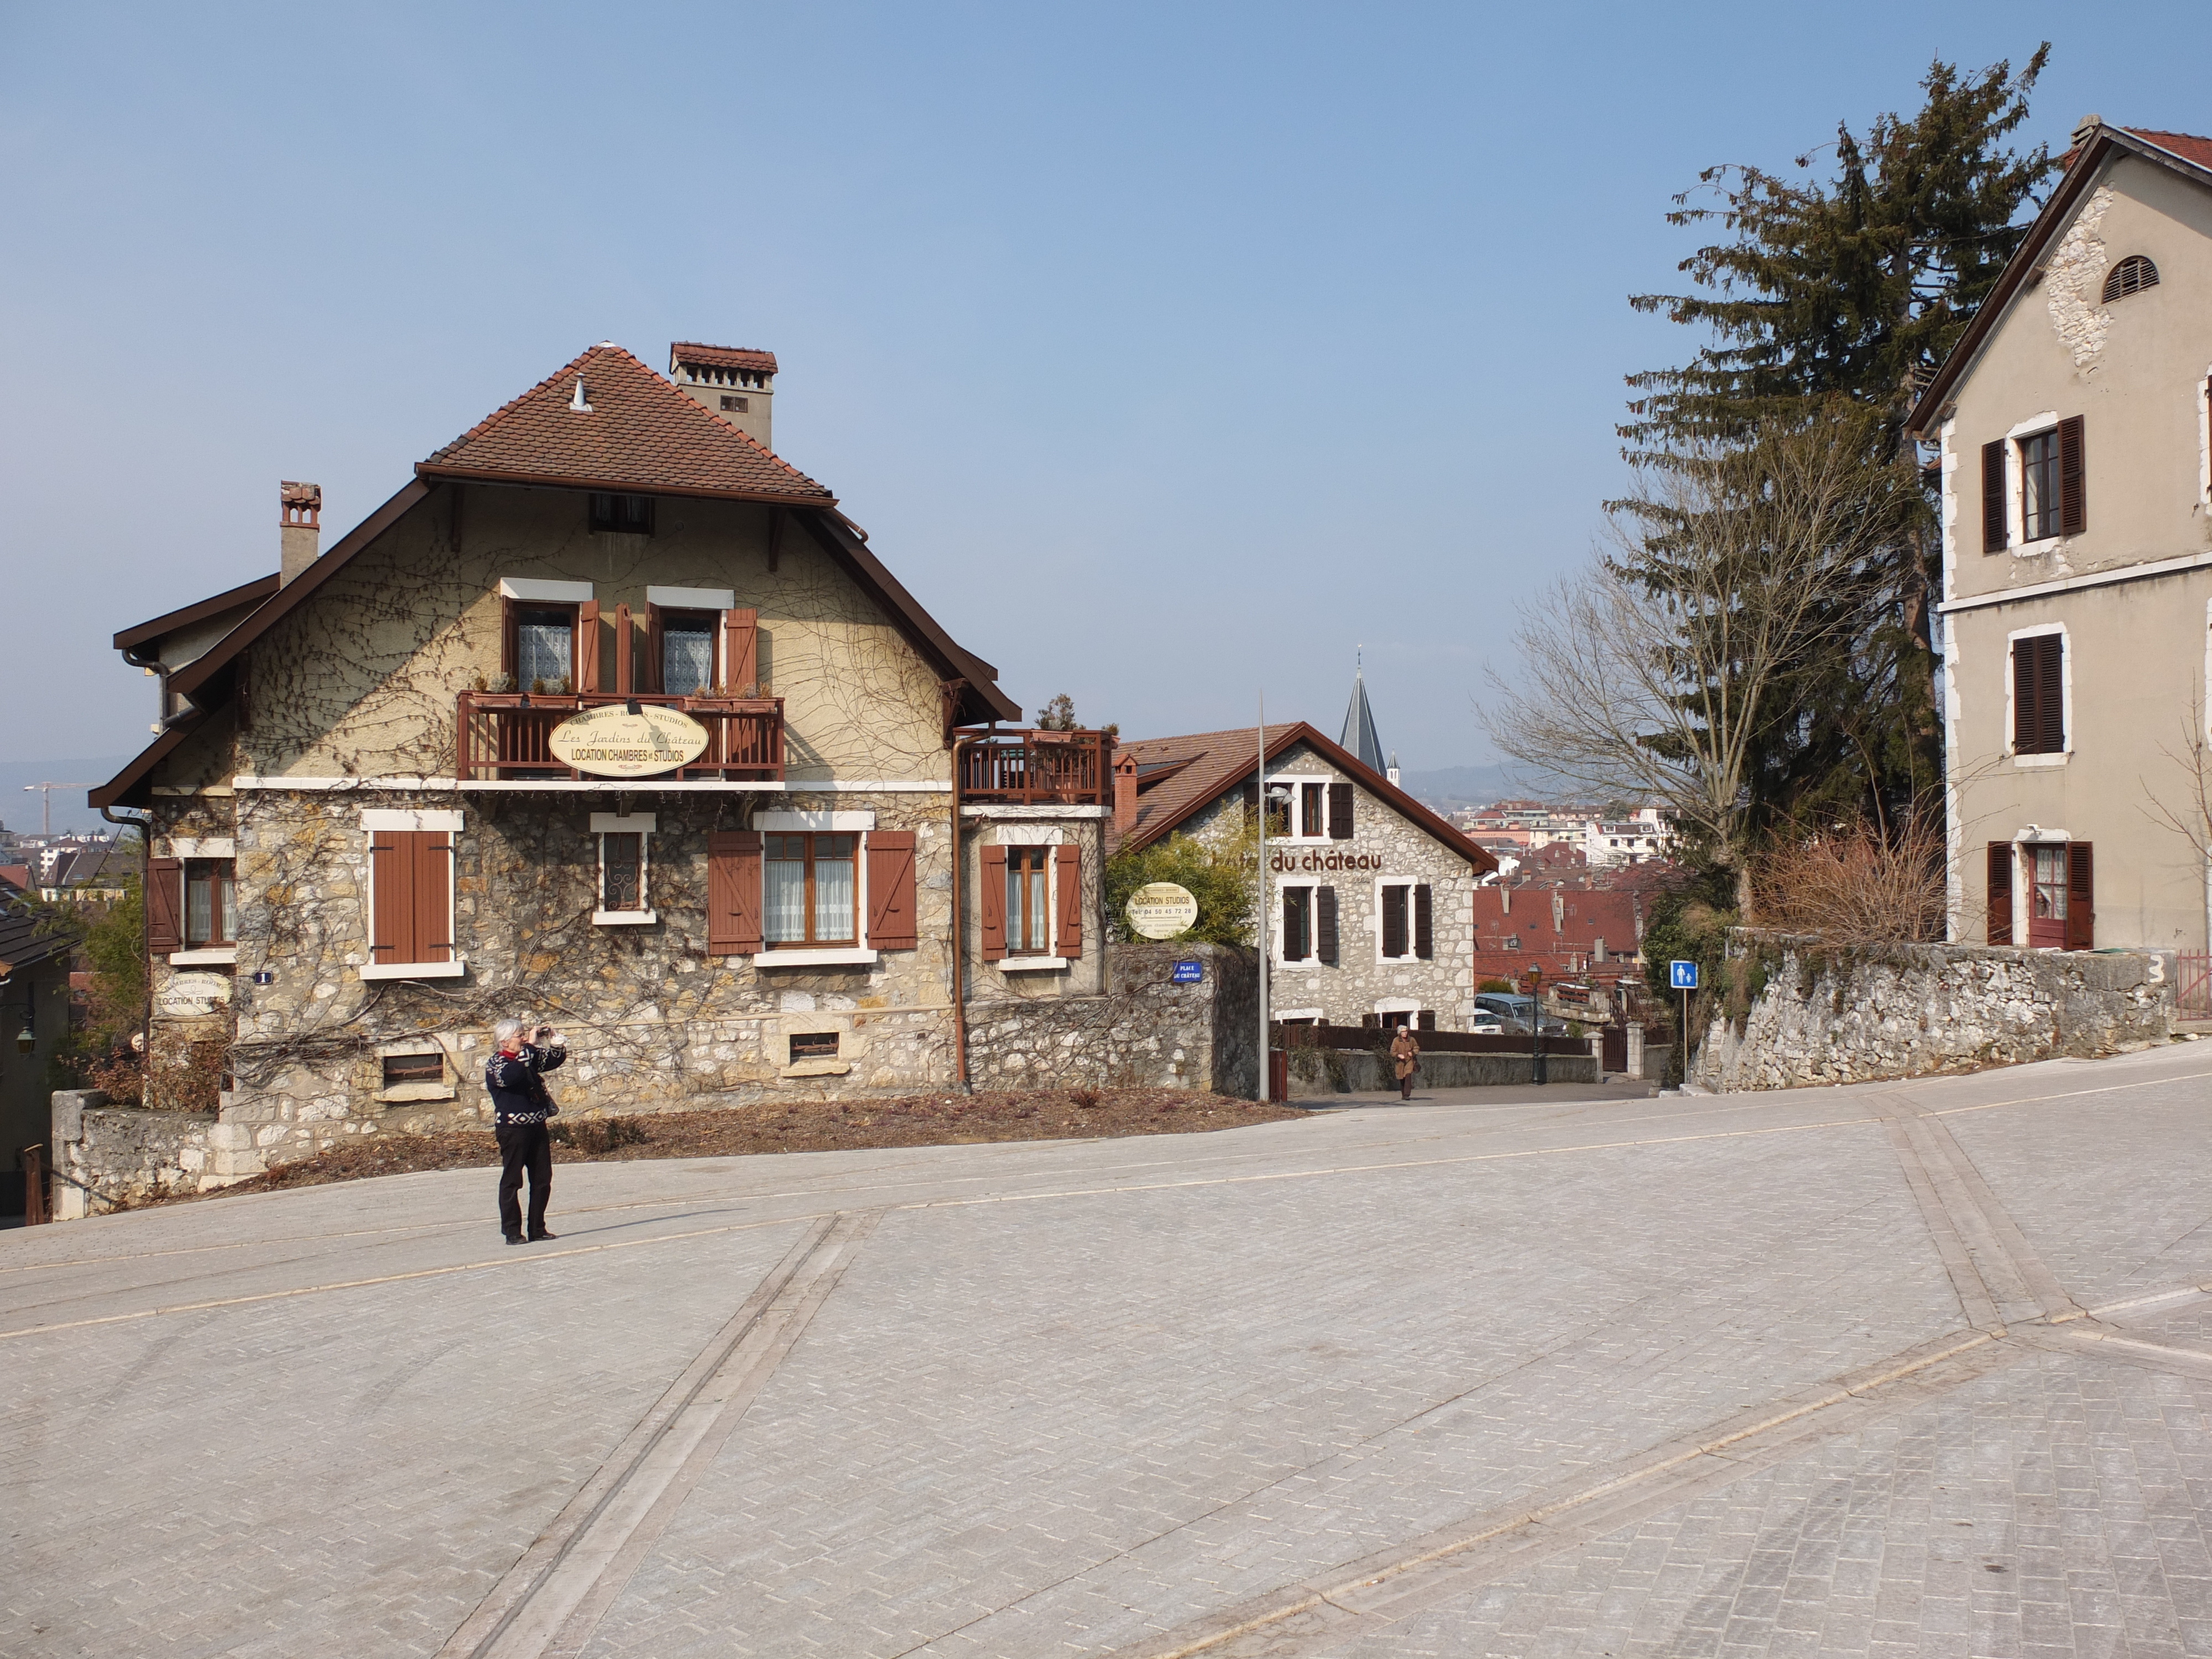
x=610 y=718
x=1370 y=895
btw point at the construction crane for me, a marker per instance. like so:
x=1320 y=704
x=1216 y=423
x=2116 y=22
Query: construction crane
x=46 y=802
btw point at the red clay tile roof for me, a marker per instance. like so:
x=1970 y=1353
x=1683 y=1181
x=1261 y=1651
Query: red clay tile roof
x=1220 y=761
x=641 y=434
x=691 y=351
x=2187 y=146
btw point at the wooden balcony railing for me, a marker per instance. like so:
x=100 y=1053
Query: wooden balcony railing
x=503 y=734
x=1031 y=768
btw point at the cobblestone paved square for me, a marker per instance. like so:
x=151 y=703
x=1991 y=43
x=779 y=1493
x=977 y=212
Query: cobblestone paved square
x=1526 y=1374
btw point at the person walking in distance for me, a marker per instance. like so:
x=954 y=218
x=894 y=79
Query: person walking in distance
x=520 y=1104
x=1406 y=1059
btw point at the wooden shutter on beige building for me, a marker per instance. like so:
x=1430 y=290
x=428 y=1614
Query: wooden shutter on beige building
x=1325 y=924
x=2073 y=479
x=1068 y=890
x=1339 y=811
x=1996 y=536
x=1424 y=935
x=991 y=904
x=2000 y=884
x=411 y=888
x=2038 y=695
x=733 y=892
x=741 y=650
x=587 y=645
x=890 y=890
x=2080 y=896
x=165 y=905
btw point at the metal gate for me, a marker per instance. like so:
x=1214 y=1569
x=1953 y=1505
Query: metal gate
x=2192 y=995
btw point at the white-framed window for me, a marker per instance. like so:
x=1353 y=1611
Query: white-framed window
x=410 y=894
x=1298 y=937
x=1298 y=806
x=2039 y=695
x=625 y=871
x=1403 y=921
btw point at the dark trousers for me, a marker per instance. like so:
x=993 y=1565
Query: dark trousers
x=523 y=1147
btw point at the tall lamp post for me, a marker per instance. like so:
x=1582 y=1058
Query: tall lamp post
x=1536 y=1069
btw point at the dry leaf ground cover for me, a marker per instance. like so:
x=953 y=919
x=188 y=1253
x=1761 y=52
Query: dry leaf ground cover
x=799 y=1126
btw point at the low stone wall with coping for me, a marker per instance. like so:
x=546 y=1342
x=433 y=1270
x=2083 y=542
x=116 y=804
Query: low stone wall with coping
x=1148 y=1031
x=1318 y=1073
x=108 y=1156
x=1819 y=1013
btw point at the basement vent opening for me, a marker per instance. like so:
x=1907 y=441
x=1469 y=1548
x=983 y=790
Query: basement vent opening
x=813 y=1045
x=413 y=1068
x=2132 y=276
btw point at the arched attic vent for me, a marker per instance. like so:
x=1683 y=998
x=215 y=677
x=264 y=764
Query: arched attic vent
x=2132 y=276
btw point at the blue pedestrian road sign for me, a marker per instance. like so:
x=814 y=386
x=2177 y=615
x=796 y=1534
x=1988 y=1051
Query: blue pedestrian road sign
x=1188 y=973
x=1682 y=975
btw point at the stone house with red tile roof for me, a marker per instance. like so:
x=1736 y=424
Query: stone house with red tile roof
x=1369 y=894
x=609 y=717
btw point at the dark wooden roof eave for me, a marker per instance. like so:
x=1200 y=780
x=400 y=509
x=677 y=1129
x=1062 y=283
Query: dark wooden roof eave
x=201 y=672
x=132 y=786
x=1345 y=761
x=2057 y=212
x=239 y=598
x=551 y=481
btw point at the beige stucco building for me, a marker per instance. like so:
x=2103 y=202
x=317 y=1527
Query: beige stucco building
x=2077 y=562
x=373 y=831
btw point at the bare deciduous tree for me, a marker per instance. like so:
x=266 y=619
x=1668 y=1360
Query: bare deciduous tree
x=1661 y=672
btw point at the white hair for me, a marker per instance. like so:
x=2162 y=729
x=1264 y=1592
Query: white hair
x=506 y=1029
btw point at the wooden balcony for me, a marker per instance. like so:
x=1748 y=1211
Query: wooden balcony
x=503 y=735
x=1037 y=769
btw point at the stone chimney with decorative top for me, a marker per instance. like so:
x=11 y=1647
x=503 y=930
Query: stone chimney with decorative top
x=735 y=382
x=302 y=517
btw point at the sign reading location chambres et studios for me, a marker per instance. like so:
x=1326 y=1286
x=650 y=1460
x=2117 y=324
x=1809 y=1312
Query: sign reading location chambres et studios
x=610 y=742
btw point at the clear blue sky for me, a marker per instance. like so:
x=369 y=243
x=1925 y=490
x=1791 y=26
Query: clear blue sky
x=1168 y=352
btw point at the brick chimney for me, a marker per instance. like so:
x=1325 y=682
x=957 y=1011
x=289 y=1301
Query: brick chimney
x=1125 y=794
x=302 y=517
x=735 y=382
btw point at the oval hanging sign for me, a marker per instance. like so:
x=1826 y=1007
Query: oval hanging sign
x=610 y=742
x=1161 y=909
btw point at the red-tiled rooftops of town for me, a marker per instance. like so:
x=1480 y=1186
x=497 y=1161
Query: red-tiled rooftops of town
x=714 y=356
x=2187 y=145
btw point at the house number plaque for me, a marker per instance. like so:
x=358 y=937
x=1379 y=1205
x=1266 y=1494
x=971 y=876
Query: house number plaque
x=610 y=742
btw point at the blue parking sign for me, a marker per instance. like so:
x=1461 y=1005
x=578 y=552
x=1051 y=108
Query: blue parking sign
x=1682 y=975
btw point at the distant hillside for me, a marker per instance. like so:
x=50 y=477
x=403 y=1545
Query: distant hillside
x=18 y=810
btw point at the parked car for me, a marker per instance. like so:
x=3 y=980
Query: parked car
x=1514 y=1012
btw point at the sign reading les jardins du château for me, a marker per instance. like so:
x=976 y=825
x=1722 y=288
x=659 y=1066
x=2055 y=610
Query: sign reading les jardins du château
x=610 y=742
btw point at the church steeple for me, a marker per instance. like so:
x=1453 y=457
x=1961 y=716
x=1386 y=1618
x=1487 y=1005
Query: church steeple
x=1360 y=734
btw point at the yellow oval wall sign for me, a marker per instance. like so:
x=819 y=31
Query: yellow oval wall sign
x=1162 y=909
x=610 y=742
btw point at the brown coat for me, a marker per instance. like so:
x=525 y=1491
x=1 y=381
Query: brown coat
x=1406 y=1051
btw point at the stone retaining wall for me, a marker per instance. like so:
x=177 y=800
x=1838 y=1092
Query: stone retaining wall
x=1146 y=1031
x=1824 y=1014
x=107 y=1156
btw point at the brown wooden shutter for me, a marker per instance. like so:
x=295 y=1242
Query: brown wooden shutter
x=2000 y=868
x=733 y=892
x=1394 y=921
x=625 y=651
x=165 y=905
x=1994 y=530
x=1252 y=798
x=1325 y=923
x=741 y=650
x=991 y=903
x=431 y=853
x=587 y=645
x=2080 y=898
x=650 y=681
x=391 y=889
x=1339 y=811
x=507 y=645
x=2073 y=479
x=2051 y=677
x=1068 y=890
x=1425 y=941
x=890 y=890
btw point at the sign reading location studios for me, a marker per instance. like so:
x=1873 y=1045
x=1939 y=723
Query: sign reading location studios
x=610 y=742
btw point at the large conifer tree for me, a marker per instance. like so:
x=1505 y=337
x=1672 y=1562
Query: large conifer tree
x=1850 y=291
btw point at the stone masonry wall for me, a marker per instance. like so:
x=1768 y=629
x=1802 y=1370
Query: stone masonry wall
x=1146 y=1031
x=1820 y=1014
x=107 y=1156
